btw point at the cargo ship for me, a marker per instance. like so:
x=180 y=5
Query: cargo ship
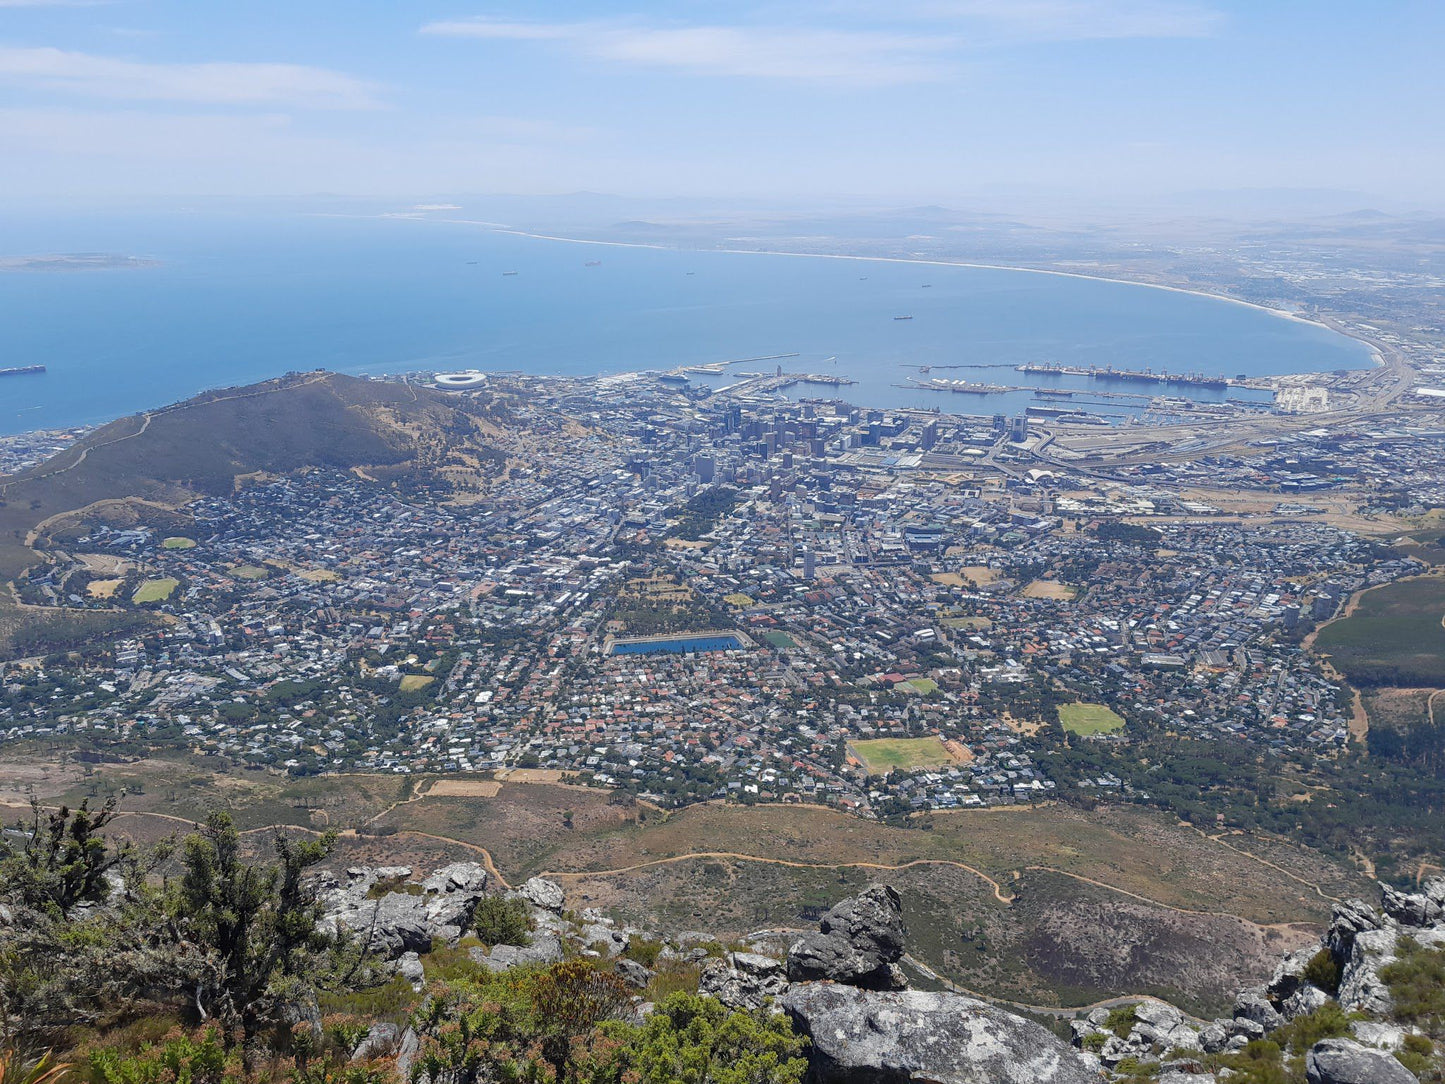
x=21 y=370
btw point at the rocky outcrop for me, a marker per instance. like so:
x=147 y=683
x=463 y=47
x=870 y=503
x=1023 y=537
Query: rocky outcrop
x=408 y=915
x=1341 y=1061
x=858 y=942
x=542 y=893
x=743 y=980
x=884 y=1037
x=542 y=949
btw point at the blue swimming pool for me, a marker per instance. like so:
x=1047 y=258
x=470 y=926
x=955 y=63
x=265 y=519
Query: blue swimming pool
x=684 y=645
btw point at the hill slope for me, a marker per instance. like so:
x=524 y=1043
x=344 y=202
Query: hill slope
x=201 y=446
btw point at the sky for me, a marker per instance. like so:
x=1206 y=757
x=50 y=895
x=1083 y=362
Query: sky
x=917 y=100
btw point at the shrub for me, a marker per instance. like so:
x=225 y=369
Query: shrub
x=500 y=920
x=643 y=951
x=1416 y=979
x=1121 y=1020
x=1323 y=971
x=1329 y=1021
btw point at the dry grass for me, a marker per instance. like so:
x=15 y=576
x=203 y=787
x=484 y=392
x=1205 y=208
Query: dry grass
x=103 y=588
x=1053 y=589
x=464 y=788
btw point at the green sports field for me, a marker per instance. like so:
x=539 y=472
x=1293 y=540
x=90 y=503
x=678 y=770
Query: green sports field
x=882 y=755
x=1086 y=720
x=155 y=590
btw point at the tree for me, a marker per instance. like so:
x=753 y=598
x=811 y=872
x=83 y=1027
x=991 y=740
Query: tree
x=255 y=926
x=61 y=859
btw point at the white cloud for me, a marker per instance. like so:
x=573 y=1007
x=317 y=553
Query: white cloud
x=853 y=56
x=1069 y=20
x=209 y=83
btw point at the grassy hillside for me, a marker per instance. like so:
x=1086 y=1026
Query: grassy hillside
x=1394 y=636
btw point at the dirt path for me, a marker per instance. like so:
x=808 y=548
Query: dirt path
x=1059 y=1011
x=84 y=452
x=1266 y=862
x=559 y=875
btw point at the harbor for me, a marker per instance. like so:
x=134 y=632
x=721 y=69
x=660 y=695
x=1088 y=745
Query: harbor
x=1141 y=376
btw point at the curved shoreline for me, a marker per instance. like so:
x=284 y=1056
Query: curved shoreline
x=1376 y=354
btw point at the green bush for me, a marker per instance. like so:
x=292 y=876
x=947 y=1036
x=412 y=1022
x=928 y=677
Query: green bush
x=1121 y=1020
x=1323 y=971
x=501 y=920
x=643 y=951
x=1416 y=979
x=1329 y=1021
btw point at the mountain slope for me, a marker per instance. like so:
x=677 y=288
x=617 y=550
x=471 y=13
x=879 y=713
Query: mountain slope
x=203 y=445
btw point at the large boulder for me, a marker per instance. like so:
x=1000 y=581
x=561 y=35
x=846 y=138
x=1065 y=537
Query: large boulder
x=1347 y=921
x=1163 y=1027
x=1410 y=908
x=1361 y=988
x=743 y=980
x=892 y=1037
x=547 y=895
x=408 y=916
x=544 y=949
x=858 y=942
x=1342 y=1061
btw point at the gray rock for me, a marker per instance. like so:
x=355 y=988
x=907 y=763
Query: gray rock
x=380 y=1042
x=1410 y=908
x=1382 y=1036
x=1289 y=975
x=1158 y=1014
x=406 y=1049
x=743 y=980
x=1253 y=1005
x=633 y=973
x=465 y=877
x=1361 y=988
x=1304 y=1000
x=408 y=966
x=871 y=1037
x=547 y=895
x=1163 y=1027
x=856 y=942
x=399 y=921
x=1343 y=1061
x=1347 y=920
x=400 y=925
x=605 y=939
x=543 y=950
x=1178 y=1076
x=1214 y=1037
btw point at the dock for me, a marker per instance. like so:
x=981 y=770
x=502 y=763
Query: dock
x=1143 y=376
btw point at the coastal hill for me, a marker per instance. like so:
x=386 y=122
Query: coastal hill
x=204 y=445
x=141 y=469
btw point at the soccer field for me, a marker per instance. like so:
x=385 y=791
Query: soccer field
x=882 y=755
x=1087 y=720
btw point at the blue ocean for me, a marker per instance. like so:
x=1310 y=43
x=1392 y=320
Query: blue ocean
x=234 y=298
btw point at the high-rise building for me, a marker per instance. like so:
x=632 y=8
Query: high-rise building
x=808 y=563
x=1019 y=429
